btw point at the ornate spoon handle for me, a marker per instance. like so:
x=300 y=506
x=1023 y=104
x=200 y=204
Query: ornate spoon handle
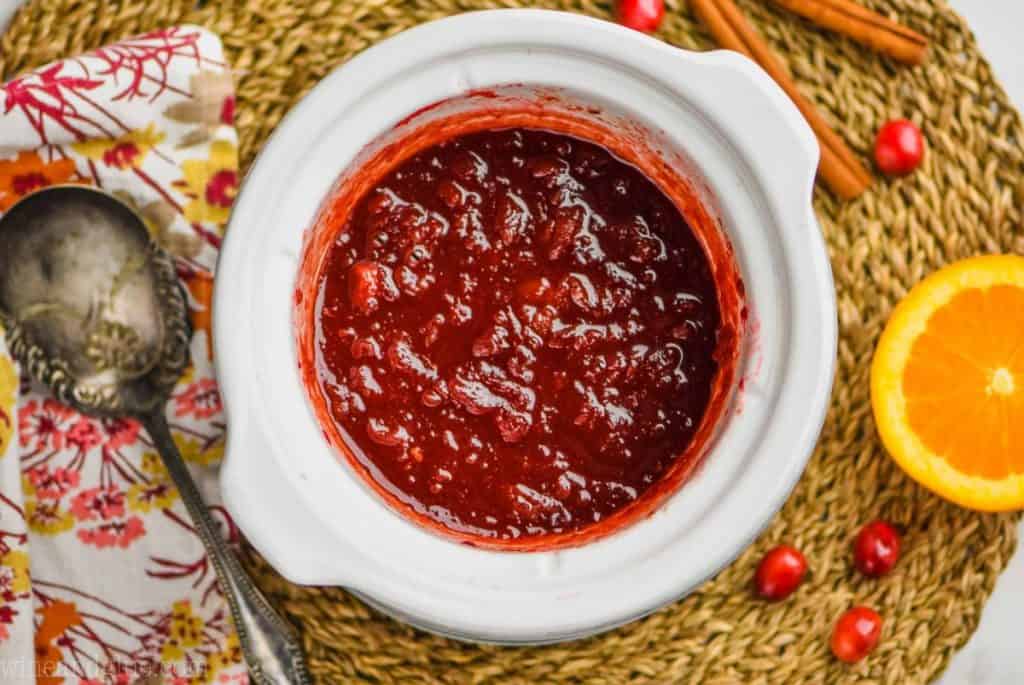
x=271 y=648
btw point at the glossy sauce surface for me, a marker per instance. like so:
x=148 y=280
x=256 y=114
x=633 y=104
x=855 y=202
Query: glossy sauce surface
x=516 y=334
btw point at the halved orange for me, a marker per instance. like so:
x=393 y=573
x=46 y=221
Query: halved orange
x=947 y=383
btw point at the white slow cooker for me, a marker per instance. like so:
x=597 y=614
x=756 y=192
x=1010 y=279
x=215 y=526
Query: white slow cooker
x=739 y=140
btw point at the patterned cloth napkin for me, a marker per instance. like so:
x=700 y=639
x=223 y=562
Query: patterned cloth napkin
x=102 y=577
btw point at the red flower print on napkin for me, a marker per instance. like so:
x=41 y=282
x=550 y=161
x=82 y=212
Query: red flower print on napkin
x=120 y=432
x=42 y=425
x=84 y=434
x=104 y=503
x=116 y=533
x=200 y=399
x=52 y=484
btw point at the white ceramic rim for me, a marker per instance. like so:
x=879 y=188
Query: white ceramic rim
x=315 y=520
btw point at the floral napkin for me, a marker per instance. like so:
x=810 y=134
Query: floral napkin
x=102 y=577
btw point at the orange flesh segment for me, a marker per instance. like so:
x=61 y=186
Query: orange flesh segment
x=964 y=382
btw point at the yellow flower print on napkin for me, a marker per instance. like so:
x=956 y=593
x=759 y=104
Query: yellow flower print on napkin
x=186 y=630
x=8 y=395
x=17 y=561
x=195 y=452
x=230 y=655
x=156 y=494
x=211 y=184
x=44 y=516
x=123 y=152
x=154 y=465
x=159 y=492
x=27 y=173
x=47 y=518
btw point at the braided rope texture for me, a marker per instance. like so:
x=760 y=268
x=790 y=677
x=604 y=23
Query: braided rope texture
x=966 y=200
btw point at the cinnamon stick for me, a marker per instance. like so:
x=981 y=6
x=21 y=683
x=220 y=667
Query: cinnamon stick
x=839 y=167
x=864 y=26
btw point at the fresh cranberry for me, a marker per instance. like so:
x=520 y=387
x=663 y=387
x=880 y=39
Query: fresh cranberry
x=642 y=15
x=899 y=148
x=856 y=634
x=780 y=572
x=876 y=549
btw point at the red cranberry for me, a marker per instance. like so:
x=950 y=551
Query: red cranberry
x=513 y=425
x=369 y=283
x=363 y=286
x=876 y=549
x=535 y=290
x=546 y=166
x=494 y=340
x=560 y=232
x=856 y=634
x=449 y=193
x=642 y=15
x=899 y=148
x=404 y=360
x=387 y=433
x=780 y=572
x=513 y=217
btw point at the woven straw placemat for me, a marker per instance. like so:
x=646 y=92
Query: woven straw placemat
x=966 y=200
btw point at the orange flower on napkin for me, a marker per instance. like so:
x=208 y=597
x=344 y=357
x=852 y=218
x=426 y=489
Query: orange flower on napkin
x=56 y=619
x=28 y=172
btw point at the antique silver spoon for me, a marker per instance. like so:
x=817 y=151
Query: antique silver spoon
x=94 y=310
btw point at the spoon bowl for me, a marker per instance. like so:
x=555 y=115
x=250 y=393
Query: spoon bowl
x=90 y=303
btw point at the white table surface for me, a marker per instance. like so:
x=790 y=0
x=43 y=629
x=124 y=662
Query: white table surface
x=995 y=654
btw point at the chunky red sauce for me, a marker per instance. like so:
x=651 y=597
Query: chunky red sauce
x=515 y=333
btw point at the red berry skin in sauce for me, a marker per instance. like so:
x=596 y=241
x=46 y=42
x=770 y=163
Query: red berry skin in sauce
x=876 y=549
x=364 y=286
x=856 y=634
x=780 y=573
x=642 y=15
x=899 y=148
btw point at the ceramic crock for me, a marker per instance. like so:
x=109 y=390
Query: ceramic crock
x=741 y=144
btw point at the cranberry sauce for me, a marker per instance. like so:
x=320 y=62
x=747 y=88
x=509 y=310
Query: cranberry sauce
x=516 y=334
